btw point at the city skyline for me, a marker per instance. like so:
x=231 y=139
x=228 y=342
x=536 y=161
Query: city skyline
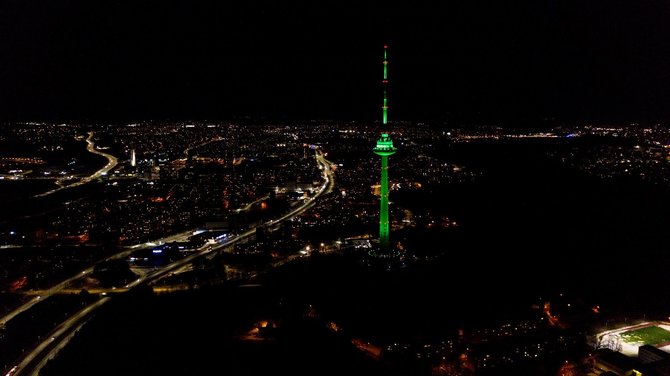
x=208 y=214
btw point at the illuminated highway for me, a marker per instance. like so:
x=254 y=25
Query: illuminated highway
x=45 y=294
x=58 y=339
x=187 y=151
x=248 y=206
x=111 y=163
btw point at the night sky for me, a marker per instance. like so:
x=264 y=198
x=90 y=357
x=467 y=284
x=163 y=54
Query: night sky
x=462 y=61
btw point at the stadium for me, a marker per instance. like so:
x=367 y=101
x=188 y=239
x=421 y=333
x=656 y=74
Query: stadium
x=628 y=339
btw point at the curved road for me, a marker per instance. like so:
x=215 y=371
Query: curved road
x=49 y=348
x=111 y=163
x=62 y=285
x=64 y=332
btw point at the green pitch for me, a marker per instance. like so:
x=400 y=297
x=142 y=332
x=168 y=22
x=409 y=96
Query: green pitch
x=651 y=335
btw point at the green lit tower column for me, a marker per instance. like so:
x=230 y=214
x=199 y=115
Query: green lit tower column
x=384 y=149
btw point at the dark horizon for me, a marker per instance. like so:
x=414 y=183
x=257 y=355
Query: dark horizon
x=467 y=62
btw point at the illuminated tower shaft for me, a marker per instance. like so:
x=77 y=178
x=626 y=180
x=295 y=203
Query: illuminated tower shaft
x=384 y=148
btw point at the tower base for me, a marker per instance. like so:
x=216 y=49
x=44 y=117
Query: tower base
x=389 y=259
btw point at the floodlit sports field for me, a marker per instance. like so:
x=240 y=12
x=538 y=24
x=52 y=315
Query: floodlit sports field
x=628 y=339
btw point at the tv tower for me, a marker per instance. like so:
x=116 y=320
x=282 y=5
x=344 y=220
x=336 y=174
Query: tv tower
x=133 y=160
x=384 y=149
